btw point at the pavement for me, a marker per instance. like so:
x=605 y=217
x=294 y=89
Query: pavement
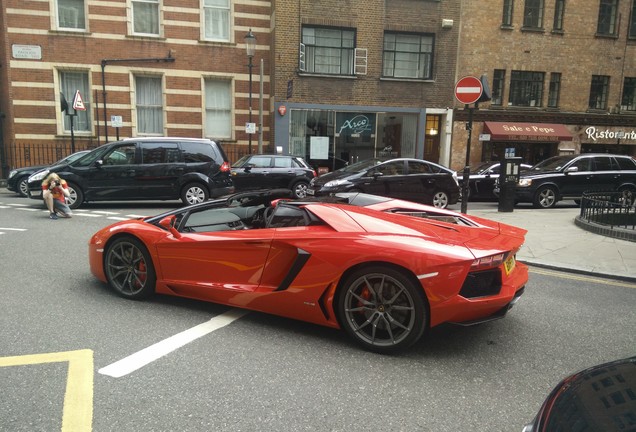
x=555 y=241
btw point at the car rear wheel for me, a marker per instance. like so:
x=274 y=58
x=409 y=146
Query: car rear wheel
x=299 y=189
x=546 y=197
x=129 y=269
x=440 y=199
x=194 y=193
x=23 y=186
x=382 y=309
x=628 y=197
x=75 y=196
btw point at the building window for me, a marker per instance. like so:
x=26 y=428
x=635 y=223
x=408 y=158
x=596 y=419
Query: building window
x=498 y=80
x=559 y=12
x=327 y=51
x=145 y=17
x=607 y=14
x=632 y=21
x=218 y=109
x=526 y=88
x=216 y=24
x=598 y=92
x=506 y=20
x=533 y=14
x=407 y=56
x=149 y=105
x=554 y=90
x=628 y=102
x=70 y=82
x=71 y=15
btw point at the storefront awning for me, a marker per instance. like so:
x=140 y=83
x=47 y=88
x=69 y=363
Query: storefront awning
x=505 y=131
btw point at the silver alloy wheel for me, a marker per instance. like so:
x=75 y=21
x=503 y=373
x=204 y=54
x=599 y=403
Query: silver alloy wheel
x=300 y=190
x=440 y=199
x=127 y=269
x=23 y=186
x=380 y=310
x=195 y=194
x=546 y=198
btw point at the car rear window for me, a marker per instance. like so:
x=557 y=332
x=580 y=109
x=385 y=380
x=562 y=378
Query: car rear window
x=283 y=162
x=198 y=152
x=153 y=153
x=626 y=163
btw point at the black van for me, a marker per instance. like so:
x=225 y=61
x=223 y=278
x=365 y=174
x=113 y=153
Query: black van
x=189 y=169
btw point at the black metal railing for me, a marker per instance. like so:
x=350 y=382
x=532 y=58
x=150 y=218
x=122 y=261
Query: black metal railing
x=614 y=210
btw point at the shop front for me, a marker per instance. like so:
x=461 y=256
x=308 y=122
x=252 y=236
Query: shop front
x=615 y=140
x=329 y=137
x=533 y=142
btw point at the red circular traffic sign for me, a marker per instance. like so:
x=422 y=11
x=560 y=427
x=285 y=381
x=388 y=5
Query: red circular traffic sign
x=468 y=90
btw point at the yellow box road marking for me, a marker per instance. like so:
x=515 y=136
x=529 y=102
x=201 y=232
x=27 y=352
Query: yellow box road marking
x=77 y=415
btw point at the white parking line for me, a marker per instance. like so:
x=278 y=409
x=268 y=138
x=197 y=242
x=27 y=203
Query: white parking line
x=28 y=209
x=148 y=355
x=12 y=229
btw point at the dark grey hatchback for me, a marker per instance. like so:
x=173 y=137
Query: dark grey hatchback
x=409 y=179
x=568 y=177
x=189 y=169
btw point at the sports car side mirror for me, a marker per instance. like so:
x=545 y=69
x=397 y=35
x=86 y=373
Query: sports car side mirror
x=168 y=223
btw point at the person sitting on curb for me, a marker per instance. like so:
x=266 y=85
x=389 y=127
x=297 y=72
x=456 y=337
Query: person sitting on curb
x=54 y=192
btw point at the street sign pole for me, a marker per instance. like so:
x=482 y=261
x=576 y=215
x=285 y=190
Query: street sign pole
x=466 y=177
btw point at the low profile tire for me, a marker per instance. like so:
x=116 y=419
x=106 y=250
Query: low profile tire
x=546 y=197
x=440 y=199
x=194 y=193
x=382 y=309
x=75 y=197
x=129 y=268
x=23 y=186
x=299 y=189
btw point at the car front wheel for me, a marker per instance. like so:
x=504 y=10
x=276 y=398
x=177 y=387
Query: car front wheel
x=129 y=269
x=546 y=197
x=440 y=199
x=23 y=186
x=194 y=193
x=382 y=309
x=75 y=196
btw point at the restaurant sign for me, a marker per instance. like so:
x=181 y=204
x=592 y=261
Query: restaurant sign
x=593 y=133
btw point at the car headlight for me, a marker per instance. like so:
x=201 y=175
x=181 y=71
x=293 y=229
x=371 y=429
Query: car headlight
x=38 y=176
x=525 y=182
x=335 y=183
x=12 y=173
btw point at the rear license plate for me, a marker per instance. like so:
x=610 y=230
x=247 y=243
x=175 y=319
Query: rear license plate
x=310 y=192
x=509 y=264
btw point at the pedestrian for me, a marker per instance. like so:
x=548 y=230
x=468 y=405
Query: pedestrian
x=54 y=192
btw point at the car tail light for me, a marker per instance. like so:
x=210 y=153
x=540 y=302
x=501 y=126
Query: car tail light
x=315 y=174
x=490 y=261
x=225 y=167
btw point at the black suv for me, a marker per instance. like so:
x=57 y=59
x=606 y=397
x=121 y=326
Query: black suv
x=273 y=172
x=567 y=177
x=189 y=169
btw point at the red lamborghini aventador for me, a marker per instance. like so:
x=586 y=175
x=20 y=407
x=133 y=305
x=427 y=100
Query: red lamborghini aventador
x=384 y=270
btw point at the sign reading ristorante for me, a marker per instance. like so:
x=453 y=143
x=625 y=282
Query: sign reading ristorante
x=593 y=133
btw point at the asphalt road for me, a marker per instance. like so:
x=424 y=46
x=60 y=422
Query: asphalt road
x=62 y=330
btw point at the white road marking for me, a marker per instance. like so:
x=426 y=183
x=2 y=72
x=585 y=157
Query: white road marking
x=28 y=209
x=105 y=212
x=12 y=229
x=148 y=355
x=135 y=216
x=87 y=215
x=118 y=218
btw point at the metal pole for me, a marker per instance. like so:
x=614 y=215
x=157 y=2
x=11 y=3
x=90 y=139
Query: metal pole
x=466 y=177
x=250 y=65
x=260 y=113
x=104 y=101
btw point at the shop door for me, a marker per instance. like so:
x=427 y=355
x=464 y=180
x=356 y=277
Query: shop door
x=355 y=136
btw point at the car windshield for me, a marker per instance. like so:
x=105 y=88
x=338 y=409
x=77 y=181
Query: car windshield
x=242 y=161
x=552 y=164
x=361 y=166
x=476 y=169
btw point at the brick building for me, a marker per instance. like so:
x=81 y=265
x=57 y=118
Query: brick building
x=354 y=80
x=562 y=76
x=154 y=67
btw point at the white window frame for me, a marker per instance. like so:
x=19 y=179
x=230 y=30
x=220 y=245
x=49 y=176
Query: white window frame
x=230 y=13
x=209 y=109
x=69 y=95
x=136 y=116
x=422 y=59
x=55 y=17
x=131 y=9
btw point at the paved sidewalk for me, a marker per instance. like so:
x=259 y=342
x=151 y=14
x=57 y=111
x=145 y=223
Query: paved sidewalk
x=554 y=241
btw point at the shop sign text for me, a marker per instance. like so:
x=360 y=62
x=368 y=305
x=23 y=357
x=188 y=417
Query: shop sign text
x=595 y=134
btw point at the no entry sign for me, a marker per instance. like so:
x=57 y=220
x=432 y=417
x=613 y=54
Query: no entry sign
x=468 y=90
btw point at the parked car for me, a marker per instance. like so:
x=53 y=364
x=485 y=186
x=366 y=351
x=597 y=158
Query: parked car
x=567 y=177
x=383 y=270
x=272 y=172
x=404 y=178
x=18 y=180
x=144 y=169
x=600 y=398
x=483 y=177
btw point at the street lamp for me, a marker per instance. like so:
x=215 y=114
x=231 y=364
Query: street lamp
x=250 y=48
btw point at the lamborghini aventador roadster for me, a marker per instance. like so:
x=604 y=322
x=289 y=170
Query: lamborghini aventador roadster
x=383 y=270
